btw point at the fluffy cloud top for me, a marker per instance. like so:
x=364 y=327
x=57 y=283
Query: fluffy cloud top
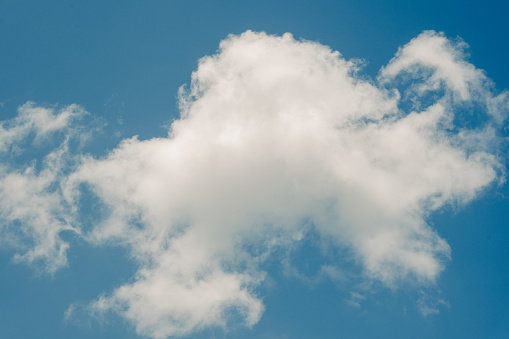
x=277 y=138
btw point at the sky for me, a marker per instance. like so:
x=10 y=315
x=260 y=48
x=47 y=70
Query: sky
x=254 y=169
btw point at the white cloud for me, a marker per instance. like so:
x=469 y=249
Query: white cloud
x=32 y=212
x=278 y=138
x=440 y=60
x=428 y=304
x=41 y=121
x=355 y=299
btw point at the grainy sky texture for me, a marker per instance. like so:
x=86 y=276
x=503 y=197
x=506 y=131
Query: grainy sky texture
x=240 y=175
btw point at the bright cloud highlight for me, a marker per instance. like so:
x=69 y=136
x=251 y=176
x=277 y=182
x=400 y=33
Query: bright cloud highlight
x=277 y=138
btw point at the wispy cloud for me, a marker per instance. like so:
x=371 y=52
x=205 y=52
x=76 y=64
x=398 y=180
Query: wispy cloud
x=32 y=212
x=355 y=299
x=428 y=304
x=279 y=138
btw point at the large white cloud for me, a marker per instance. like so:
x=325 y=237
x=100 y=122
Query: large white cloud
x=279 y=138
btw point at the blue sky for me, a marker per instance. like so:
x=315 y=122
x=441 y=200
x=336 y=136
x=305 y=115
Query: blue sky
x=374 y=205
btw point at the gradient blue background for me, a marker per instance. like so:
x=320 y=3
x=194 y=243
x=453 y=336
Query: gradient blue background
x=125 y=60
